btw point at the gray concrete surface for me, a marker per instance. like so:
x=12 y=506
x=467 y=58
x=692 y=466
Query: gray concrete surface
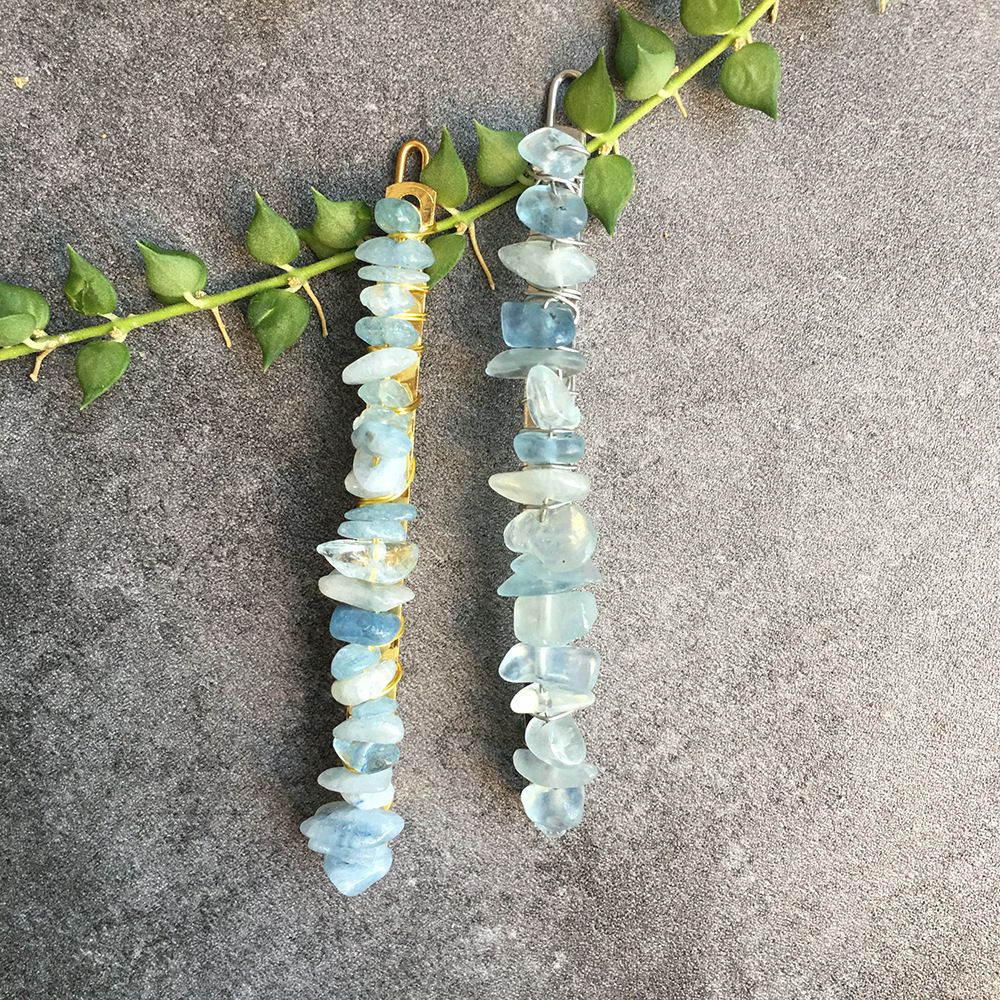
x=792 y=414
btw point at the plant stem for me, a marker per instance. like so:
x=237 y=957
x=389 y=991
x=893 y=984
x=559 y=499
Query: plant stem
x=469 y=216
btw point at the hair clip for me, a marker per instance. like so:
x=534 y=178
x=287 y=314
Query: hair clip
x=373 y=555
x=553 y=536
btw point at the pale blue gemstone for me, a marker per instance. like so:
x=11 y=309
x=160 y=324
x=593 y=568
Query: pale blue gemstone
x=557 y=741
x=381 y=729
x=553 y=619
x=395 y=253
x=553 y=210
x=344 y=780
x=381 y=439
x=376 y=562
x=384 y=415
x=554 y=811
x=533 y=324
x=533 y=487
x=563 y=538
x=387 y=300
x=379 y=511
x=393 y=275
x=366 y=756
x=372 y=628
x=388 y=531
x=362 y=594
x=396 y=215
x=546 y=702
x=517 y=362
x=352 y=659
x=531 y=577
x=374 y=708
x=367 y=685
x=549 y=447
x=386 y=331
x=553 y=152
x=386 y=392
x=550 y=403
x=572 y=667
x=387 y=477
x=548 y=265
x=352 y=879
x=548 y=776
x=371 y=800
x=338 y=825
x=380 y=364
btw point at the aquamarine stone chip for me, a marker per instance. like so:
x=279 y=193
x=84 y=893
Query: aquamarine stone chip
x=550 y=403
x=553 y=619
x=371 y=800
x=549 y=702
x=387 y=300
x=533 y=487
x=552 y=151
x=380 y=729
x=518 y=361
x=379 y=511
x=365 y=686
x=385 y=392
x=396 y=215
x=388 y=531
x=361 y=594
x=562 y=538
x=549 y=447
x=384 y=415
x=338 y=825
x=371 y=628
x=342 y=779
x=531 y=577
x=393 y=275
x=366 y=757
x=394 y=253
x=553 y=210
x=572 y=667
x=386 y=331
x=352 y=659
x=380 y=364
x=384 y=477
x=549 y=776
x=351 y=879
x=381 y=439
x=375 y=707
x=557 y=741
x=554 y=811
x=548 y=265
x=376 y=562
x=533 y=324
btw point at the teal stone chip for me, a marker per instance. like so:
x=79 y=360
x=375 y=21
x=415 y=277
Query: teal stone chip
x=548 y=265
x=534 y=324
x=386 y=331
x=554 y=152
x=386 y=531
x=379 y=511
x=393 y=275
x=396 y=215
x=554 y=619
x=352 y=878
x=554 y=811
x=382 y=439
x=384 y=299
x=530 y=577
x=553 y=210
x=574 y=668
x=380 y=729
x=369 y=628
x=366 y=757
x=395 y=253
x=385 y=391
x=549 y=447
x=550 y=776
x=518 y=362
x=377 y=706
x=353 y=659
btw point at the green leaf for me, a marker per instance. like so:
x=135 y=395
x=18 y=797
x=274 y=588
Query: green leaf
x=277 y=317
x=750 y=77
x=318 y=247
x=448 y=249
x=16 y=328
x=644 y=57
x=446 y=174
x=710 y=17
x=499 y=164
x=339 y=225
x=172 y=273
x=16 y=299
x=271 y=239
x=590 y=99
x=608 y=182
x=87 y=290
x=99 y=365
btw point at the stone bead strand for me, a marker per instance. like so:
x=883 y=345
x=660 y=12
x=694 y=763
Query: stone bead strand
x=371 y=558
x=553 y=536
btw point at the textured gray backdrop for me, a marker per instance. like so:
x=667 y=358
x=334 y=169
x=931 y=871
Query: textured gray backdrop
x=792 y=419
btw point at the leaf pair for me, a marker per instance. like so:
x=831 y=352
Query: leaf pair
x=22 y=312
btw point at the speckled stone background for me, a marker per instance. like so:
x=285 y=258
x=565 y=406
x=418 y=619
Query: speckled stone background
x=792 y=416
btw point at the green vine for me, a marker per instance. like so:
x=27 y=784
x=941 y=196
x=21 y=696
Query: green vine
x=644 y=60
